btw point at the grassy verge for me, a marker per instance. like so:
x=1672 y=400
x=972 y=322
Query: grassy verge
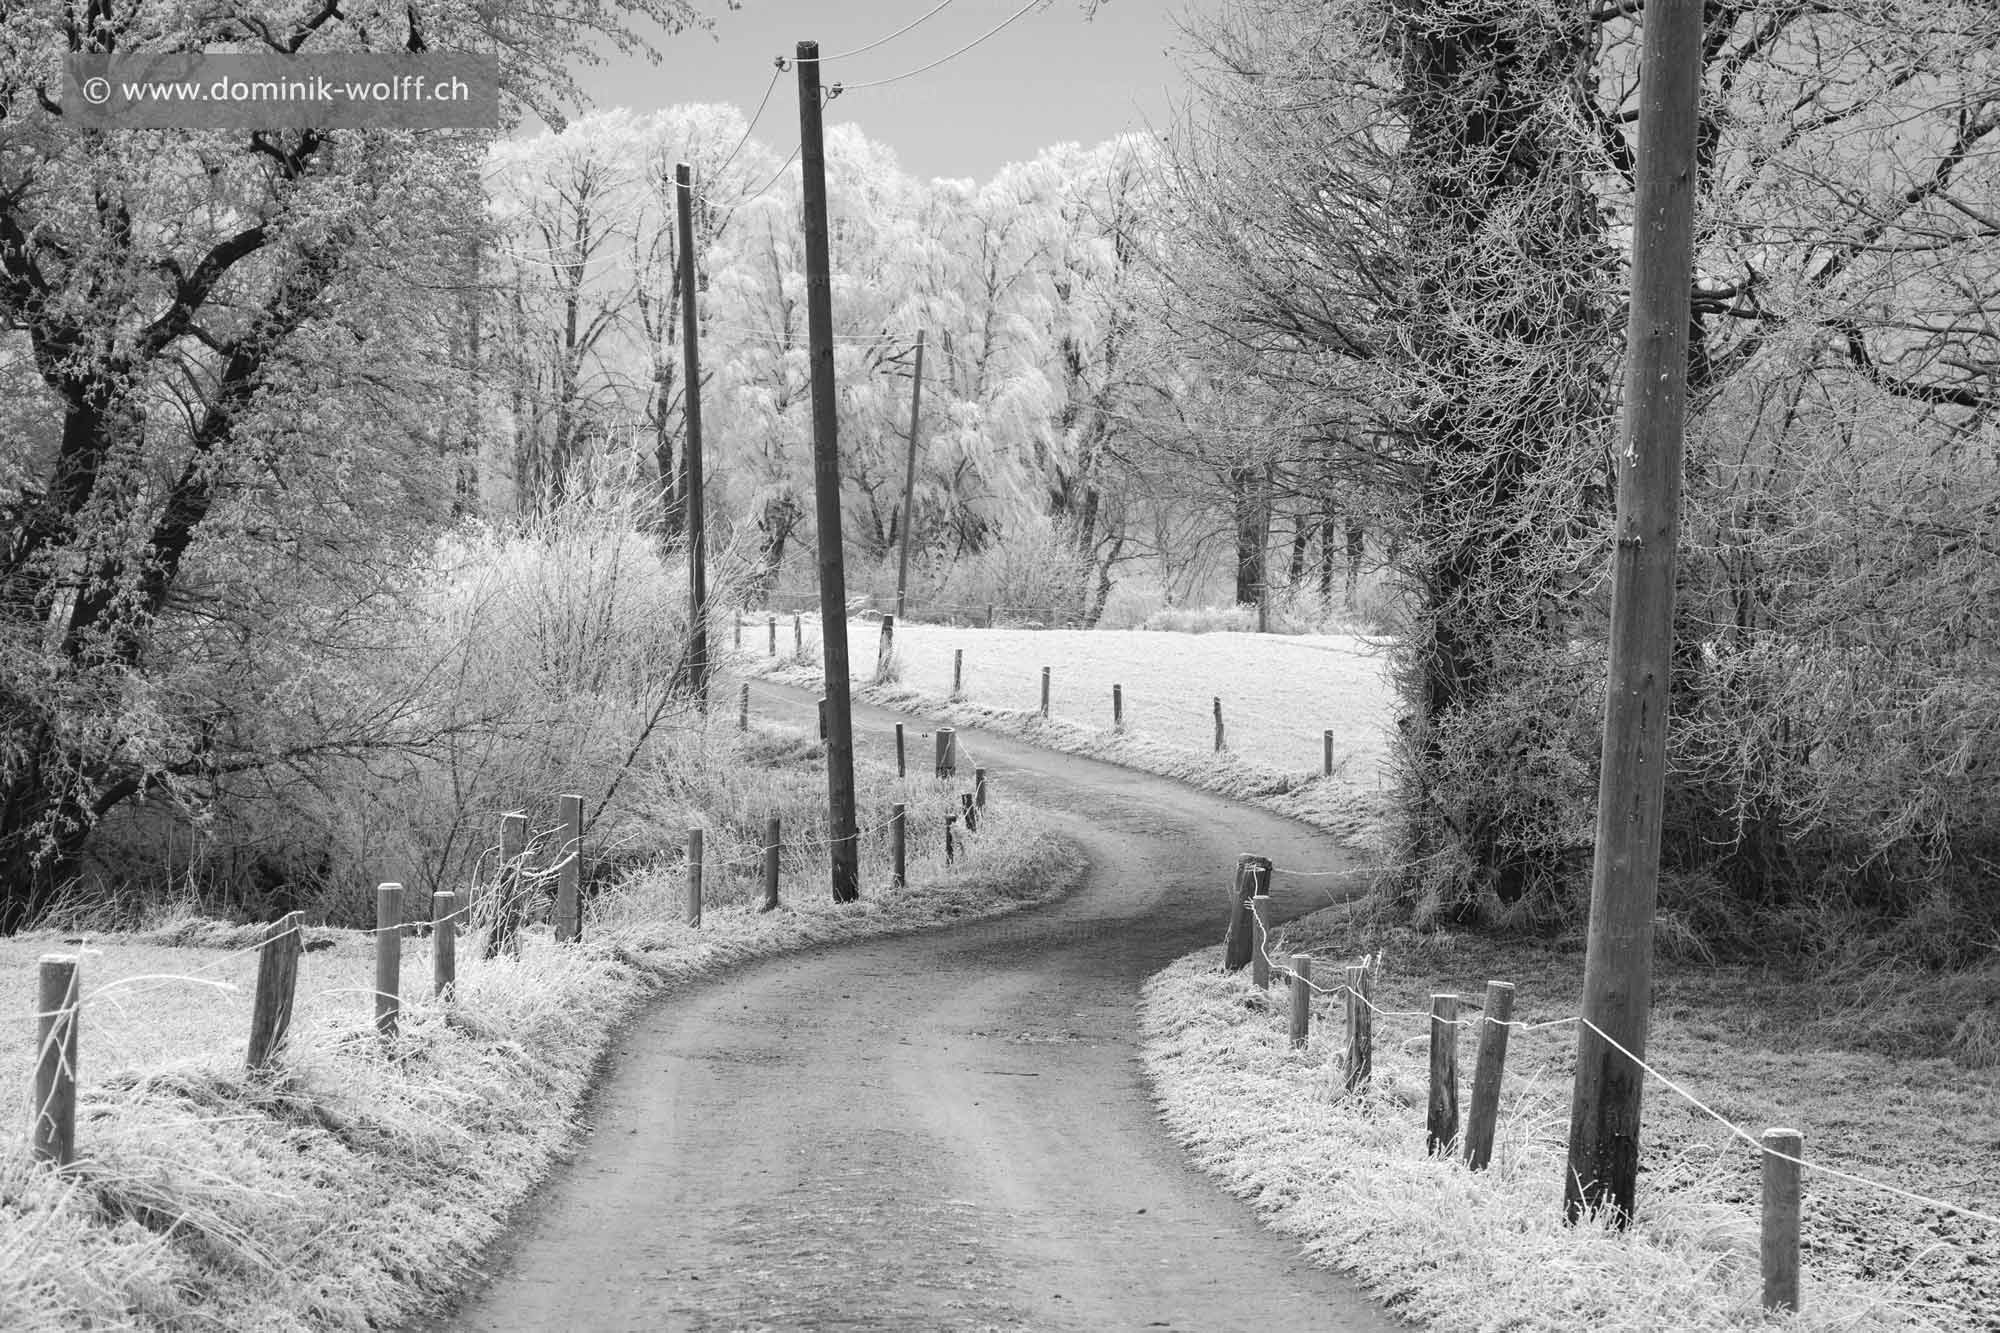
x=1337 y=805
x=354 y=1188
x=1452 y=1249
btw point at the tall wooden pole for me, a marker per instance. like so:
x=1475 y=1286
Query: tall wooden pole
x=910 y=480
x=841 y=827
x=691 y=396
x=1618 y=964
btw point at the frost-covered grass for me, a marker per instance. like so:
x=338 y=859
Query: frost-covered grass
x=1452 y=1249
x=361 y=1183
x=1279 y=694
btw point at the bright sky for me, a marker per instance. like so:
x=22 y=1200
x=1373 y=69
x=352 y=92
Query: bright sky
x=1047 y=78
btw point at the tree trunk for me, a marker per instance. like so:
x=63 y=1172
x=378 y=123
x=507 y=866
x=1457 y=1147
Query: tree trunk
x=1329 y=532
x=1357 y=548
x=1485 y=90
x=781 y=514
x=1095 y=611
x=43 y=825
x=1248 y=493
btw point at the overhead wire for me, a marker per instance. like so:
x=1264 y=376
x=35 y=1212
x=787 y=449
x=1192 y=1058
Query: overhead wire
x=925 y=17
x=785 y=166
x=776 y=73
x=994 y=31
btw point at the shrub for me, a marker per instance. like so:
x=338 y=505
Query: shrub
x=526 y=661
x=1033 y=572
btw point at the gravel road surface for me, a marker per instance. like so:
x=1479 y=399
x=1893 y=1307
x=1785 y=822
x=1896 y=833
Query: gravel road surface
x=942 y=1131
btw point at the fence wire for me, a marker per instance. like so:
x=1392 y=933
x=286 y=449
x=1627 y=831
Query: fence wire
x=1343 y=991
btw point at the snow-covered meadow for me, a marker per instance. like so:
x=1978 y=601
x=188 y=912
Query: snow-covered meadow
x=1280 y=693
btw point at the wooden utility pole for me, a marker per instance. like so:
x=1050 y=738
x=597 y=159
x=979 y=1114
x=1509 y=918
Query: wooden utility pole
x=910 y=480
x=691 y=396
x=1618 y=966
x=841 y=827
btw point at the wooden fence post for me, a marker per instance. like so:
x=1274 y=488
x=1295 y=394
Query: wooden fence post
x=979 y=787
x=1780 y=1241
x=1117 y=707
x=773 y=627
x=989 y=615
x=569 y=874
x=56 y=1022
x=887 y=648
x=773 y=842
x=1045 y=691
x=1301 y=1015
x=692 y=911
x=1443 y=1119
x=1326 y=754
x=1218 y=724
x=950 y=845
x=1486 y=1073
x=898 y=830
x=947 y=752
x=1360 y=1028
x=957 y=672
x=970 y=812
x=389 y=958
x=277 y=982
x=444 y=943
x=798 y=636
x=1236 y=943
x=743 y=707
x=902 y=768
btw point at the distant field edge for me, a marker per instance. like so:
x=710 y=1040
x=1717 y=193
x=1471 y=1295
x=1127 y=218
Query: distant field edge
x=1352 y=814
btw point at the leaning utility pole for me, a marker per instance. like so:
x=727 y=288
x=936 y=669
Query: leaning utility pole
x=691 y=395
x=910 y=480
x=841 y=827
x=1624 y=883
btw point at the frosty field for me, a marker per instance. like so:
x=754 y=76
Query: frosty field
x=1279 y=692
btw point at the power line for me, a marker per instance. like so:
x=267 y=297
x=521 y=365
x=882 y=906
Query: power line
x=884 y=41
x=775 y=176
x=925 y=69
x=776 y=74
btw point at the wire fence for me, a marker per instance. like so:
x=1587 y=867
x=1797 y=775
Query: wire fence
x=1347 y=994
x=499 y=907
x=920 y=610
x=1263 y=737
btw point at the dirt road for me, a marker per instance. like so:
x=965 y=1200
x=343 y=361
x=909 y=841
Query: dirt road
x=945 y=1131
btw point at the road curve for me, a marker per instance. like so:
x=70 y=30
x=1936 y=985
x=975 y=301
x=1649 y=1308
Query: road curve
x=942 y=1131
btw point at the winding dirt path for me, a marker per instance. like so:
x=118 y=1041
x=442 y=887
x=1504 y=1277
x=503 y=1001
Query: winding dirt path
x=942 y=1131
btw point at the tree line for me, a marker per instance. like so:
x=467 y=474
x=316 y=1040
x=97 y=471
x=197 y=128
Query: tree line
x=283 y=405
x=1059 y=406
x=306 y=430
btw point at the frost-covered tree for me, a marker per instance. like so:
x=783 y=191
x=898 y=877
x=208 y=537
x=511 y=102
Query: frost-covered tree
x=1030 y=290
x=232 y=352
